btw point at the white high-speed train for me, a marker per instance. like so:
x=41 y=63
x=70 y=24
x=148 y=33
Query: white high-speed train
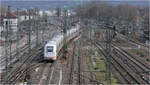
x=53 y=46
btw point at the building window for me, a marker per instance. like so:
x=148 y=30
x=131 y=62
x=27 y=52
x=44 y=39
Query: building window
x=6 y=22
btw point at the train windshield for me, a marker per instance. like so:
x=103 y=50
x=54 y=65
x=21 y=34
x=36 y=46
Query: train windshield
x=49 y=48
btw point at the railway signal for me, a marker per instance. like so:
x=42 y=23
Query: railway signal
x=114 y=31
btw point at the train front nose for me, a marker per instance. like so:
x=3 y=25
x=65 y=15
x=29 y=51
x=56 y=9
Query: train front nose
x=50 y=53
x=50 y=57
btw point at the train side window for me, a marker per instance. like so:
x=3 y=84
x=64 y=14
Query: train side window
x=49 y=48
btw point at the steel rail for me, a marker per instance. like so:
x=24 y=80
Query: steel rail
x=16 y=70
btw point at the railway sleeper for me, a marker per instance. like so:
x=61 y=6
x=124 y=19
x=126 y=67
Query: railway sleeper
x=138 y=78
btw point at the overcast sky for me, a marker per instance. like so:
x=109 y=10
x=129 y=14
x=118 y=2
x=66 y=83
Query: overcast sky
x=74 y=0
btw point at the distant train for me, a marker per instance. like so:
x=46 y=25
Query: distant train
x=52 y=47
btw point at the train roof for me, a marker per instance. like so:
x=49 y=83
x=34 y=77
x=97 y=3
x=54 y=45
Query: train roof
x=51 y=42
x=55 y=40
x=58 y=38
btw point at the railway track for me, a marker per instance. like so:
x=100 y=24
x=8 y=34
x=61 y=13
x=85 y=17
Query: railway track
x=130 y=77
x=79 y=61
x=14 y=75
x=24 y=73
x=134 y=42
x=131 y=57
x=139 y=43
x=92 y=77
x=72 y=65
x=22 y=49
x=83 y=74
x=114 y=65
x=48 y=80
x=132 y=62
x=18 y=72
x=75 y=73
x=136 y=65
x=120 y=73
x=14 y=57
x=48 y=70
x=45 y=75
x=72 y=54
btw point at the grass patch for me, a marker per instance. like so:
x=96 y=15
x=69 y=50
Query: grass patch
x=100 y=65
x=89 y=64
x=122 y=44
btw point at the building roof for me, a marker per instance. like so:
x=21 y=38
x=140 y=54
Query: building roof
x=6 y=15
x=21 y=13
x=9 y=15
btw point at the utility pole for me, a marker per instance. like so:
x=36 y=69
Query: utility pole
x=108 y=57
x=64 y=33
x=90 y=29
x=127 y=23
x=6 y=43
x=17 y=49
x=127 y=32
x=9 y=35
x=58 y=11
x=36 y=26
x=10 y=43
x=29 y=32
x=27 y=76
x=110 y=35
x=44 y=25
x=79 y=50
